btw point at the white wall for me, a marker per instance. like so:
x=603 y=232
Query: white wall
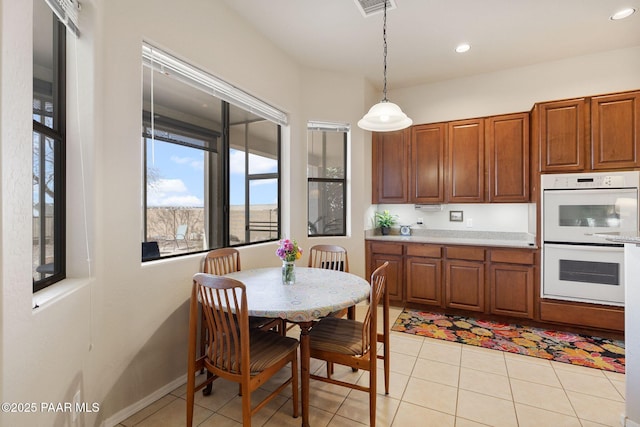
x=509 y=217
x=117 y=333
x=517 y=89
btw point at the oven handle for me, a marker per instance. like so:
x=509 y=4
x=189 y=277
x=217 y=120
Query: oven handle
x=583 y=247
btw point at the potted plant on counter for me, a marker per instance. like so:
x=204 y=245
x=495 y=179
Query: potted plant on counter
x=385 y=220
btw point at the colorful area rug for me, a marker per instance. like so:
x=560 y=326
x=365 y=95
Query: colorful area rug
x=564 y=347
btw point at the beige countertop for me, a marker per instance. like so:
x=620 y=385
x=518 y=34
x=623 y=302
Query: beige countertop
x=457 y=237
x=627 y=237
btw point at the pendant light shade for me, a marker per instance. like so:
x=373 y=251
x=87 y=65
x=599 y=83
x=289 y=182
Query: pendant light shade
x=385 y=116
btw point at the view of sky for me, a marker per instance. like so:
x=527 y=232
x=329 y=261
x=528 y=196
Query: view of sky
x=180 y=182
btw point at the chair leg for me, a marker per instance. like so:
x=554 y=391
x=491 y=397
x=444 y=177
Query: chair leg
x=372 y=397
x=206 y=391
x=190 y=398
x=294 y=385
x=386 y=369
x=246 y=408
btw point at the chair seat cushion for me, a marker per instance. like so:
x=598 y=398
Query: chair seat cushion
x=266 y=348
x=337 y=335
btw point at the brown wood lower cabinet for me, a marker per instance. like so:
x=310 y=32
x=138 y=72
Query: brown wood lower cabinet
x=465 y=278
x=379 y=253
x=511 y=290
x=456 y=276
x=424 y=274
x=512 y=283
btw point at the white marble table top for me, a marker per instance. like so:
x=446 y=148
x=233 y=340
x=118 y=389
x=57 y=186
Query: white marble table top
x=316 y=293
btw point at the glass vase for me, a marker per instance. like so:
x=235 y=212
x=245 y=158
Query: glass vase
x=288 y=273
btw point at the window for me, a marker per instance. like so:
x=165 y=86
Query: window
x=327 y=178
x=48 y=143
x=211 y=161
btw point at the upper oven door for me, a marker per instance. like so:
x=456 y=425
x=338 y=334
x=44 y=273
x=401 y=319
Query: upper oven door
x=573 y=216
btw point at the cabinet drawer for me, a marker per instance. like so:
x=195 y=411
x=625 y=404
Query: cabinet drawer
x=386 y=248
x=465 y=252
x=512 y=256
x=429 y=251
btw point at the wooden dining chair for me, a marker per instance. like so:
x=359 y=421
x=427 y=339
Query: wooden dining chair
x=332 y=257
x=353 y=343
x=224 y=261
x=236 y=353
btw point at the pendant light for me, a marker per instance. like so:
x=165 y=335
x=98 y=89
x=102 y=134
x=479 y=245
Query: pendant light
x=385 y=116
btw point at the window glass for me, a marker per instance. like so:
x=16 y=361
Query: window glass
x=48 y=148
x=326 y=172
x=254 y=191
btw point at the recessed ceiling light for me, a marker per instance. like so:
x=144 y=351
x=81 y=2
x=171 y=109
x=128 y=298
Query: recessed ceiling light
x=461 y=48
x=621 y=14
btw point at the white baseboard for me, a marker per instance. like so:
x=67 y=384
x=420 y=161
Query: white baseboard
x=125 y=413
x=626 y=422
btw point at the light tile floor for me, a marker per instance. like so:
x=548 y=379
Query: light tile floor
x=433 y=383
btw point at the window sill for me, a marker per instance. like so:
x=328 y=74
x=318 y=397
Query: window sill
x=48 y=296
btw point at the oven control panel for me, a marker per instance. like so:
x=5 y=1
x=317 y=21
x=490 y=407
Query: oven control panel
x=590 y=180
x=607 y=181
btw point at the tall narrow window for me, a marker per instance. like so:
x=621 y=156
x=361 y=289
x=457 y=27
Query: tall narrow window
x=212 y=161
x=327 y=178
x=48 y=147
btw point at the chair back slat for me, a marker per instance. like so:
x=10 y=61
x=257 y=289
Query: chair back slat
x=224 y=306
x=378 y=284
x=222 y=261
x=330 y=257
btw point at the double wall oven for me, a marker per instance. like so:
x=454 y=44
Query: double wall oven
x=577 y=265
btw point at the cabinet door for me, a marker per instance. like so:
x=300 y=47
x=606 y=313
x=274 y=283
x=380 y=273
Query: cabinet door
x=465 y=180
x=615 y=129
x=394 y=274
x=464 y=285
x=563 y=129
x=427 y=163
x=390 y=166
x=512 y=290
x=507 y=139
x=424 y=280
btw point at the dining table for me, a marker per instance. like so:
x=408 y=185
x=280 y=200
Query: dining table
x=316 y=293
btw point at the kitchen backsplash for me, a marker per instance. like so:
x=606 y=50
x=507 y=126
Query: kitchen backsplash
x=511 y=217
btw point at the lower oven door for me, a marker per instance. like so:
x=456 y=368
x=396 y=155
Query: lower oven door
x=592 y=274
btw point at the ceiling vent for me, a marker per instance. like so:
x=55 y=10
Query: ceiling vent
x=371 y=7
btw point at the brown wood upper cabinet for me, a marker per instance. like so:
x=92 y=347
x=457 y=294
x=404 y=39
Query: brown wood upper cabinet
x=562 y=128
x=465 y=165
x=507 y=140
x=615 y=131
x=465 y=161
x=427 y=163
x=390 y=158
x=582 y=134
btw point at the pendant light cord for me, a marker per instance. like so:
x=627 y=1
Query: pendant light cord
x=384 y=50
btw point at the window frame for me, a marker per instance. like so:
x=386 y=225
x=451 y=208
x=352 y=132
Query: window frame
x=58 y=135
x=345 y=130
x=216 y=215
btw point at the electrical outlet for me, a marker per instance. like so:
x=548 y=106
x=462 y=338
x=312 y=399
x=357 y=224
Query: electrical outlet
x=469 y=222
